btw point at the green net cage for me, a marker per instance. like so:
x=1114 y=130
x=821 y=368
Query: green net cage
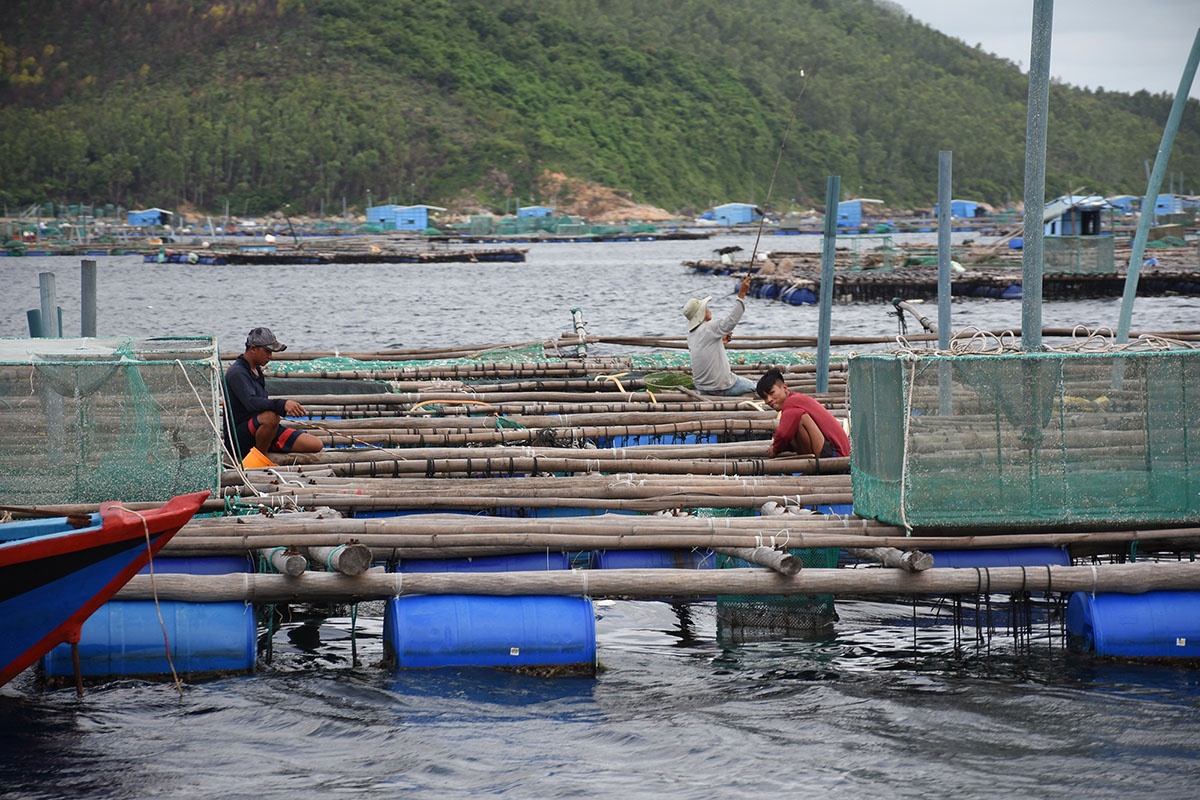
x=1021 y=439
x=1080 y=255
x=90 y=420
x=755 y=617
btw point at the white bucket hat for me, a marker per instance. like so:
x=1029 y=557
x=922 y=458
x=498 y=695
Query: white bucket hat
x=694 y=310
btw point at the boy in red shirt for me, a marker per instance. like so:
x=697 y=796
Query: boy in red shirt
x=805 y=426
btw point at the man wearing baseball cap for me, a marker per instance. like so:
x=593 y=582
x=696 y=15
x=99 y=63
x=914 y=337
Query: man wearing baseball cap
x=257 y=420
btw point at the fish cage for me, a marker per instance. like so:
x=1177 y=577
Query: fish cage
x=1080 y=255
x=1026 y=438
x=95 y=419
x=871 y=252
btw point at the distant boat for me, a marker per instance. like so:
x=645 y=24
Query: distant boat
x=55 y=572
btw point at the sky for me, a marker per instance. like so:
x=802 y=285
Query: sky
x=1121 y=45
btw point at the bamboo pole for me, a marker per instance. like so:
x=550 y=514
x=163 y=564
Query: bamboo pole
x=447 y=533
x=908 y=560
x=353 y=558
x=782 y=562
x=641 y=583
x=285 y=560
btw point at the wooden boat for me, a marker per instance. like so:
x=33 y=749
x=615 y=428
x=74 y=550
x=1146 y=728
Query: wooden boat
x=55 y=574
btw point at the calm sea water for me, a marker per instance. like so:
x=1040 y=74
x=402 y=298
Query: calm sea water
x=623 y=289
x=892 y=704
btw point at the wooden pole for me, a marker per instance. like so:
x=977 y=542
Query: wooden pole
x=780 y=561
x=349 y=559
x=285 y=561
x=908 y=560
x=636 y=583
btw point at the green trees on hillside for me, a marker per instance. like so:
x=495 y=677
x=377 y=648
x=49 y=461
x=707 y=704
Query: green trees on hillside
x=681 y=102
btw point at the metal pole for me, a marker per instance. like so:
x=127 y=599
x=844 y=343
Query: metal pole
x=833 y=190
x=945 y=171
x=87 y=313
x=1147 y=215
x=1035 y=176
x=50 y=328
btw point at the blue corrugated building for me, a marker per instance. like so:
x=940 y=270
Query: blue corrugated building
x=1125 y=203
x=534 y=211
x=961 y=209
x=401 y=218
x=736 y=213
x=1168 y=204
x=149 y=216
x=850 y=212
x=1074 y=215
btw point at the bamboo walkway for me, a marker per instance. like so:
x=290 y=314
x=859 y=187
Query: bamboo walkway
x=473 y=459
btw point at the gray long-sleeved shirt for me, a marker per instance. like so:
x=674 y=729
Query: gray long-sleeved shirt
x=710 y=366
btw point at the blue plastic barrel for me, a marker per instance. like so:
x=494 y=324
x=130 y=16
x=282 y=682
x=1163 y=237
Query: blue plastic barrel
x=200 y=565
x=1151 y=625
x=653 y=559
x=422 y=631
x=1014 y=557
x=125 y=637
x=526 y=562
x=802 y=297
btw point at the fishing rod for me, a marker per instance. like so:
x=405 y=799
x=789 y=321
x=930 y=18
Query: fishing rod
x=778 y=159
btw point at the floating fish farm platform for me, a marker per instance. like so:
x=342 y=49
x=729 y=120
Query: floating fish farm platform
x=522 y=483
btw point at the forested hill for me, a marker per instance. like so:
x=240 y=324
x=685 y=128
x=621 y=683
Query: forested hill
x=464 y=103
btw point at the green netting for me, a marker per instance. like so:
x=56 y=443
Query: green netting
x=517 y=354
x=536 y=353
x=1168 y=241
x=1020 y=439
x=680 y=359
x=668 y=380
x=744 y=617
x=1075 y=255
x=89 y=420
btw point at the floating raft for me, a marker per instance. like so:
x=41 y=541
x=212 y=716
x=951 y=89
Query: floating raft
x=515 y=473
x=1001 y=283
x=885 y=273
x=271 y=255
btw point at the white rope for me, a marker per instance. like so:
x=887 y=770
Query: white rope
x=237 y=463
x=154 y=593
x=973 y=341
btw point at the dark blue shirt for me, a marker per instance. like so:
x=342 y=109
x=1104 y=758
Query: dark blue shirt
x=246 y=392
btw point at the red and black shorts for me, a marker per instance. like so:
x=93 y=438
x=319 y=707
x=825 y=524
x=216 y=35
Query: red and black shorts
x=283 y=442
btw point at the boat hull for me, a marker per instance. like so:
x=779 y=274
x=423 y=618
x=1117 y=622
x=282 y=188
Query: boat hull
x=54 y=576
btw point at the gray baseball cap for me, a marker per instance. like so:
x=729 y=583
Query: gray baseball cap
x=262 y=337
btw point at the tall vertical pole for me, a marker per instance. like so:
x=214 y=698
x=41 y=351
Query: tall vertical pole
x=833 y=190
x=1035 y=176
x=87 y=295
x=945 y=171
x=49 y=298
x=1151 y=198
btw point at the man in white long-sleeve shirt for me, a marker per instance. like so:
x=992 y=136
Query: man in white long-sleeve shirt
x=707 y=336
